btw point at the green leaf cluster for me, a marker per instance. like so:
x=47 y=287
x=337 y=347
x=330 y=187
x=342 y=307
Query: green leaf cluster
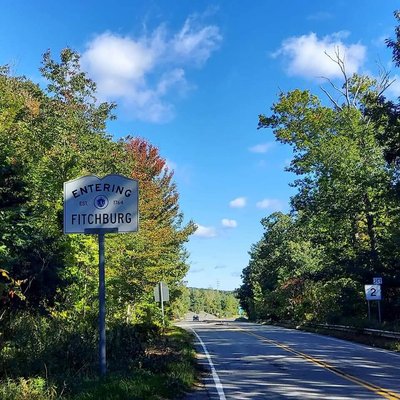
x=216 y=302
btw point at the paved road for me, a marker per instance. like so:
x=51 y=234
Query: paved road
x=250 y=361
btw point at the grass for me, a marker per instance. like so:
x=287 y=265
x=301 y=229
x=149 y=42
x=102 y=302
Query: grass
x=167 y=371
x=27 y=389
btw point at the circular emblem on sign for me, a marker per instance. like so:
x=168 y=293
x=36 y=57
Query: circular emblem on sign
x=101 y=202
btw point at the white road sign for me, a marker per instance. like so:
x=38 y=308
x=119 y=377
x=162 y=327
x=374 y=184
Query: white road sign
x=377 y=281
x=373 y=292
x=92 y=203
x=164 y=292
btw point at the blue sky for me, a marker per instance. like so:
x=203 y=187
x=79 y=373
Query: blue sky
x=192 y=78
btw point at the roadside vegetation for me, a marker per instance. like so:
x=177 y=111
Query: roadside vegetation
x=144 y=363
x=220 y=303
x=49 y=281
x=343 y=229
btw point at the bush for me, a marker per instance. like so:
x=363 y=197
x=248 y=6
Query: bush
x=37 y=345
x=27 y=389
x=127 y=344
x=300 y=300
x=41 y=353
x=333 y=301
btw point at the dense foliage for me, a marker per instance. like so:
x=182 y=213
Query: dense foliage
x=343 y=228
x=48 y=281
x=216 y=302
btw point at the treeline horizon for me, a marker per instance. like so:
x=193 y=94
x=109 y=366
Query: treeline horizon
x=221 y=303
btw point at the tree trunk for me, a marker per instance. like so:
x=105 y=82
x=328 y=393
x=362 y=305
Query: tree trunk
x=371 y=232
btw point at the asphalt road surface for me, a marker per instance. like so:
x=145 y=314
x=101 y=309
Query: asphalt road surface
x=251 y=361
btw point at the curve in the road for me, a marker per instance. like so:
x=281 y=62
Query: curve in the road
x=387 y=394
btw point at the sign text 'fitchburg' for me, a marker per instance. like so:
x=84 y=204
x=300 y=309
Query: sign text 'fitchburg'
x=95 y=203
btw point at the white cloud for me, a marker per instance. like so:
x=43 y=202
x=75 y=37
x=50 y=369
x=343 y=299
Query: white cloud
x=261 y=148
x=305 y=55
x=271 y=204
x=142 y=72
x=239 y=202
x=196 y=43
x=229 y=223
x=205 y=231
x=114 y=58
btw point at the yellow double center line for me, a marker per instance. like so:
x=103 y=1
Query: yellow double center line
x=387 y=394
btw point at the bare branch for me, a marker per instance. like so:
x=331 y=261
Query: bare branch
x=332 y=84
x=387 y=86
x=337 y=59
x=335 y=103
x=384 y=79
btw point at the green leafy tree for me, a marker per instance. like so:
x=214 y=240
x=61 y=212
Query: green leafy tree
x=156 y=252
x=49 y=137
x=216 y=302
x=341 y=220
x=343 y=174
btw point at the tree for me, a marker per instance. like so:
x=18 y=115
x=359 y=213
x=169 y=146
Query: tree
x=341 y=220
x=341 y=164
x=217 y=302
x=156 y=252
x=48 y=138
x=28 y=252
x=48 y=280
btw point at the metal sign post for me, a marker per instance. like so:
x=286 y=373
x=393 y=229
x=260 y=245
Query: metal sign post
x=94 y=205
x=160 y=285
x=102 y=295
x=379 y=312
x=102 y=307
x=374 y=293
x=161 y=294
x=378 y=281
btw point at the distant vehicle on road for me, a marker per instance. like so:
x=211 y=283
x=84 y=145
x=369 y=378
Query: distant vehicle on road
x=195 y=318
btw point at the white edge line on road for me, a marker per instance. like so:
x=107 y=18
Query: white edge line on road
x=215 y=376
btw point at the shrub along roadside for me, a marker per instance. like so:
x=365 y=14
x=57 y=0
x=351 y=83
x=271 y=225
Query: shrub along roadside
x=165 y=368
x=168 y=371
